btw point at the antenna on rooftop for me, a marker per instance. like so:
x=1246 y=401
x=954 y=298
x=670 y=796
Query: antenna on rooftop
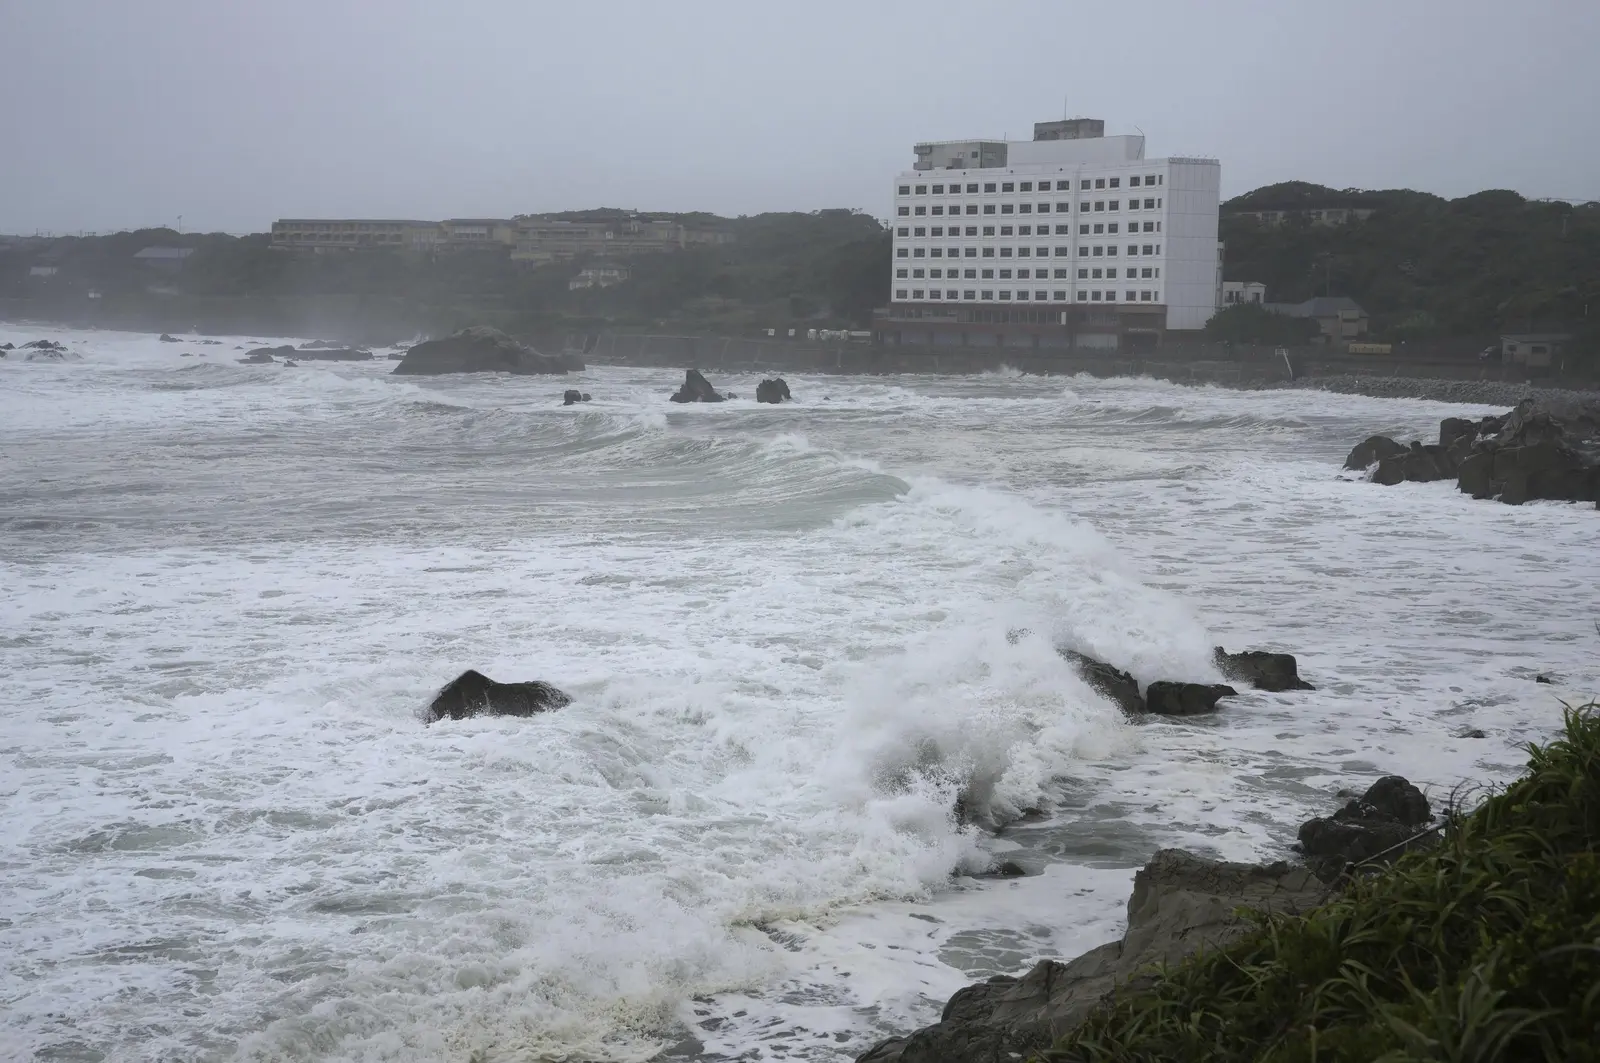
x=1065 y=112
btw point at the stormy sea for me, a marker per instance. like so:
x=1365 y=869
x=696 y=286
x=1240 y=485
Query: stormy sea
x=794 y=635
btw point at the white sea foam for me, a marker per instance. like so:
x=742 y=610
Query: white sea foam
x=226 y=592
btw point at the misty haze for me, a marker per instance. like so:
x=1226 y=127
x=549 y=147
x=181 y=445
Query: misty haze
x=834 y=533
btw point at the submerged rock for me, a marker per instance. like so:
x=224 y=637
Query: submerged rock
x=774 y=390
x=572 y=396
x=1180 y=903
x=696 y=388
x=1273 y=672
x=169 y=339
x=472 y=694
x=1371 y=450
x=478 y=349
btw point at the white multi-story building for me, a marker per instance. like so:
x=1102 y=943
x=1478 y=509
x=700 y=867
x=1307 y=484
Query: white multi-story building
x=1070 y=239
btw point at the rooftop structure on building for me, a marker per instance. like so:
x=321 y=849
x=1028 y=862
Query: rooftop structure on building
x=1072 y=239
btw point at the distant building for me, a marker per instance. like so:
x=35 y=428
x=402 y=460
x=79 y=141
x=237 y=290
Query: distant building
x=529 y=238
x=1236 y=292
x=340 y=234
x=600 y=275
x=43 y=271
x=1338 y=316
x=1536 y=350
x=168 y=259
x=1072 y=239
x=540 y=239
x=1311 y=215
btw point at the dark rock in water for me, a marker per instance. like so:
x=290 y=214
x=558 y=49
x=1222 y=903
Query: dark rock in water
x=1167 y=698
x=43 y=345
x=1474 y=733
x=1475 y=475
x=1180 y=903
x=585 y=397
x=572 y=395
x=696 y=389
x=1419 y=463
x=774 y=390
x=1262 y=670
x=260 y=357
x=334 y=354
x=1381 y=822
x=1373 y=449
x=169 y=339
x=1543 y=679
x=290 y=363
x=210 y=343
x=6 y=347
x=478 y=349
x=313 y=345
x=473 y=693
x=1114 y=683
x=186 y=354
x=1452 y=429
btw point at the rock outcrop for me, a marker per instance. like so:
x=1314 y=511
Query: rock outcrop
x=1110 y=682
x=1180 y=902
x=774 y=390
x=169 y=339
x=333 y=354
x=1166 y=698
x=1265 y=671
x=1534 y=452
x=1390 y=814
x=572 y=396
x=696 y=388
x=473 y=694
x=259 y=357
x=43 y=345
x=478 y=349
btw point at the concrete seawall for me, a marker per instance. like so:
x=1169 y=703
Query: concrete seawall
x=1195 y=364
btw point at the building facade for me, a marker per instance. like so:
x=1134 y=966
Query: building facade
x=530 y=238
x=1074 y=238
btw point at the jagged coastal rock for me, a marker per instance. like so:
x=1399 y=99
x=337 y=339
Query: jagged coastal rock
x=169 y=339
x=474 y=694
x=1537 y=451
x=1391 y=813
x=1180 y=902
x=1273 y=672
x=774 y=390
x=572 y=396
x=263 y=355
x=479 y=349
x=696 y=388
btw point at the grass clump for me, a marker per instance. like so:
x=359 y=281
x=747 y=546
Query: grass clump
x=1484 y=948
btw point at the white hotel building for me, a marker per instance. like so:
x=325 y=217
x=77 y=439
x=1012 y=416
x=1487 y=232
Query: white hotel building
x=1071 y=239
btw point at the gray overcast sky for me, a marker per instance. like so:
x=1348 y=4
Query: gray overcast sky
x=125 y=113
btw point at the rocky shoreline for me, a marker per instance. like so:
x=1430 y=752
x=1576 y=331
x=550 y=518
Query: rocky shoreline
x=1480 y=392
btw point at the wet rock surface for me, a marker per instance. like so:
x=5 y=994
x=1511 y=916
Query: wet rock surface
x=696 y=388
x=774 y=390
x=474 y=694
x=478 y=349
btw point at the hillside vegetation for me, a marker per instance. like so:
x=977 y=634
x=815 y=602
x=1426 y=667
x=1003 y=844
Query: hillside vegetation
x=1484 y=948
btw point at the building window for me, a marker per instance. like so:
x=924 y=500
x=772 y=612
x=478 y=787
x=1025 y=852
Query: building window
x=938 y=190
x=1005 y=294
x=1145 y=273
x=1133 y=204
x=1098 y=229
x=988 y=186
x=1007 y=208
x=1063 y=252
x=922 y=190
x=1005 y=252
x=1061 y=297
x=955 y=252
x=1133 y=182
x=1111 y=296
x=1022 y=295
x=1083 y=250
x=969 y=294
x=1024 y=252
x=1099 y=204
x=1024 y=208
x=988 y=274
x=1026 y=230
x=1133 y=249
x=1063 y=230
x=1005 y=274
x=972 y=208
x=1083 y=230
x=1042 y=252
x=988 y=230
x=938 y=210
x=950 y=293
x=1007 y=187
x=900 y=252
x=972 y=252
x=1152 y=227
x=1005 y=230
x=1111 y=250
x=1083 y=274
x=935 y=273
x=1094 y=296
x=988 y=252
x=1039 y=297
x=1063 y=208
x=988 y=208
x=902 y=231
x=1099 y=182
x=938 y=230
x=920 y=231
x=1062 y=274
x=1044 y=208
x=1083 y=186
x=988 y=294
x=901 y=293
x=1112 y=229
x=918 y=253
x=1097 y=274
x=933 y=293
x=918 y=273
x=1026 y=186
x=1144 y=297
x=916 y=293
x=1083 y=297
x=922 y=210
x=1158 y=249
x=1022 y=274
x=1116 y=204
x=971 y=274
x=904 y=212
x=901 y=273
x=1098 y=251
x=905 y=190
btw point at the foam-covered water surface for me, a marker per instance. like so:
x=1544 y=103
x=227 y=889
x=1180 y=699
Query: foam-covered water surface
x=226 y=592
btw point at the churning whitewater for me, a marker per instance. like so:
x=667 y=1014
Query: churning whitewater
x=227 y=591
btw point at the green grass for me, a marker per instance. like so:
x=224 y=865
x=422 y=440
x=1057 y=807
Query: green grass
x=1484 y=948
